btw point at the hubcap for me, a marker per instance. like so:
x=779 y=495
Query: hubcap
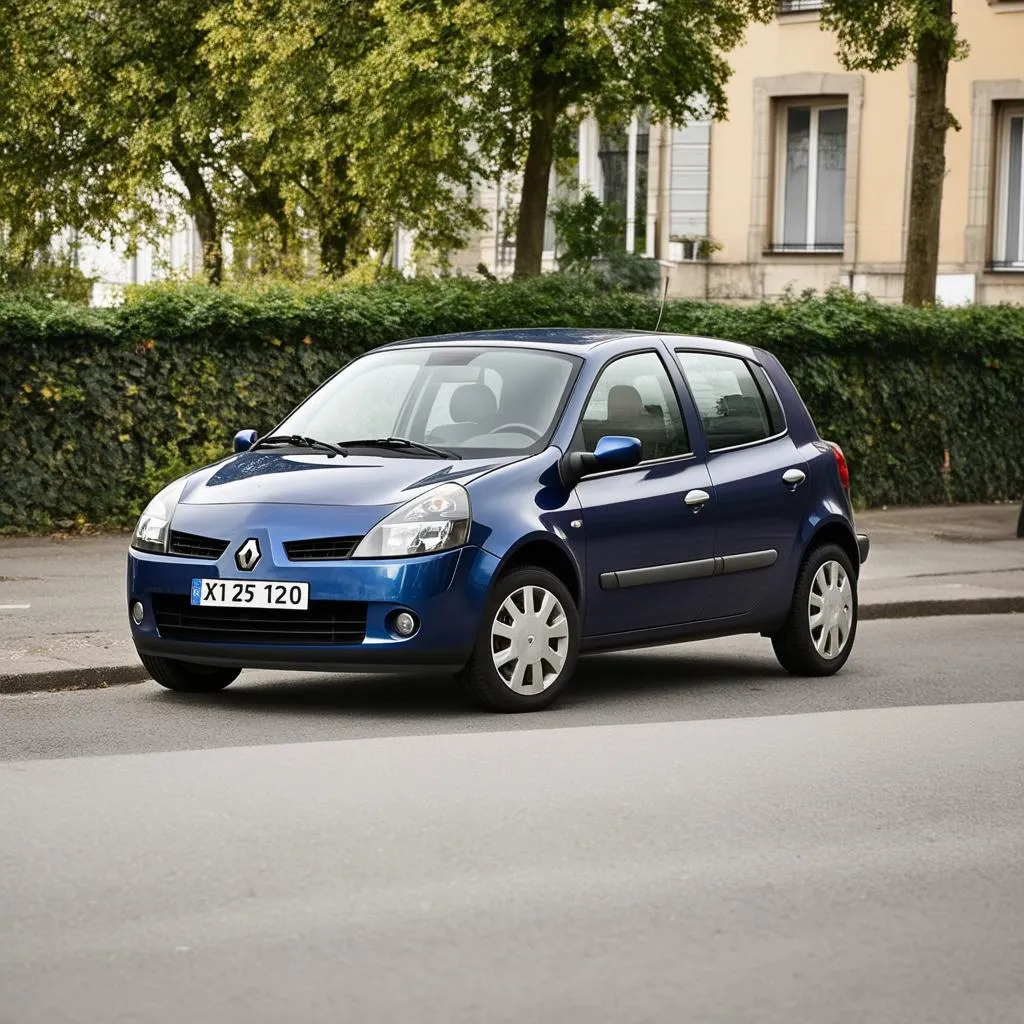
x=529 y=640
x=830 y=610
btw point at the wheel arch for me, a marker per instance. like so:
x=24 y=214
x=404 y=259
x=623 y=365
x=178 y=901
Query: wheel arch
x=544 y=552
x=836 y=531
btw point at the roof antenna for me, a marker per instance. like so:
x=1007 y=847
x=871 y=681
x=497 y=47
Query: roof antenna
x=661 y=312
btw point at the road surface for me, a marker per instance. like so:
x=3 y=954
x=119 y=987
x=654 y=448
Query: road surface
x=689 y=836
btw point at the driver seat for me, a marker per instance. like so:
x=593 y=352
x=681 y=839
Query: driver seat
x=473 y=410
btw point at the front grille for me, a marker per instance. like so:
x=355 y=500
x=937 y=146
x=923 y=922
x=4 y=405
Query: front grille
x=322 y=549
x=192 y=546
x=324 y=622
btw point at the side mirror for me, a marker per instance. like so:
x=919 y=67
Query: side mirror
x=244 y=440
x=612 y=452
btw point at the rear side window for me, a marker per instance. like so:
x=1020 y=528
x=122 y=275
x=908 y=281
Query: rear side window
x=731 y=405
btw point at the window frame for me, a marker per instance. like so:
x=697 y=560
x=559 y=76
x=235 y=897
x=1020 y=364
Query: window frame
x=748 y=363
x=577 y=444
x=1007 y=113
x=816 y=104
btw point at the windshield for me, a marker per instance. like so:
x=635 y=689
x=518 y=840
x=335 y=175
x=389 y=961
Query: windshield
x=469 y=400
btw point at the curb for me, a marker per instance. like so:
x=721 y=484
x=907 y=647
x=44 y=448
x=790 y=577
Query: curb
x=72 y=679
x=123 y=675
x=927 y=608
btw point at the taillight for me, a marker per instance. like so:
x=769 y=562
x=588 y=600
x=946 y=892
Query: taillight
x=841 y=465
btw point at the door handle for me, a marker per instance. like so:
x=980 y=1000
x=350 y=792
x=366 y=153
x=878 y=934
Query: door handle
x=696 y=499
x=794 y=477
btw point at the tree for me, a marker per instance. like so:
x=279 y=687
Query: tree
x=111 y=95
x=530 y=68
x=879 y=35
x=361 y=134
x=277 y=121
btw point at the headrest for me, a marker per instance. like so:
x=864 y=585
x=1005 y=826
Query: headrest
x=473 y=403
x=624 y=403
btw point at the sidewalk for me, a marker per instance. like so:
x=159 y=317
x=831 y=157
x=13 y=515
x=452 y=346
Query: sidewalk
x=63 y=621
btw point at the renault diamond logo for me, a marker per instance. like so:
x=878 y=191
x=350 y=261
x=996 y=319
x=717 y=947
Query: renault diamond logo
x=248 y=555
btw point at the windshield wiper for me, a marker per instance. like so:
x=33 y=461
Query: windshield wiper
x=399 y=443
x=296 y=441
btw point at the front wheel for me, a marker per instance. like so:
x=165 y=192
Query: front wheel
x=526 y=650
x=818 y=635
x=186 y=677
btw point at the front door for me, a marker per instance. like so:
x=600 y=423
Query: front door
x=649 y=530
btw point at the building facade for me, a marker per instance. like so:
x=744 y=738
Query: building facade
x=807 y=183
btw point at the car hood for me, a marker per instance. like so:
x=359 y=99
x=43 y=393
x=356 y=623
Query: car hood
x=253 y=478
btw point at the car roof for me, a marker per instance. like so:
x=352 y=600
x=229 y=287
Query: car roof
x=571 y=339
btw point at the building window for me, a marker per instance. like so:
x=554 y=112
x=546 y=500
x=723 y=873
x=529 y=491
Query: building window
x=810 y=192
x=1008 y=240
x=792 y=6
x=623 y=155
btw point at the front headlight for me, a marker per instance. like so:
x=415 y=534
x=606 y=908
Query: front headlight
x=151 y=529
x=436 y=521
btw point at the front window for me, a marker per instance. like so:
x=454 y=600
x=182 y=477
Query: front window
x=1008 y=243
x=810 y=194
x=473 y=401
x=634 y=397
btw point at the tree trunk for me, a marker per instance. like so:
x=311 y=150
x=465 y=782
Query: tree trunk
x=333 y=249
x=338 y=218
x=928 y=169
x=204 y=213
x=533 y=206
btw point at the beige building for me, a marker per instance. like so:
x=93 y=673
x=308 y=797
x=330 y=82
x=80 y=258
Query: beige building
x=806 y=185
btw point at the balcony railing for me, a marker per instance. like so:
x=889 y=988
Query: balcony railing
x=793 y=6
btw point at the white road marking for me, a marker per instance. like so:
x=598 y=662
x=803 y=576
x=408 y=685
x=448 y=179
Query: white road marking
x=13 y=607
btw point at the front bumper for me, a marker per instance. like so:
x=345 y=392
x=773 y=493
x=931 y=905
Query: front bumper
x=446 y=592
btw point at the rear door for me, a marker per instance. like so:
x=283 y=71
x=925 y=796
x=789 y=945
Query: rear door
x=649 y=529
x=758 y=476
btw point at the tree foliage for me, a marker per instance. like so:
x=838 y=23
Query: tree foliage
x=880 y=35
x=531 y=68
x=276 y=120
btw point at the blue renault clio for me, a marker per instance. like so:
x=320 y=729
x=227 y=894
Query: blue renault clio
x=494 y=504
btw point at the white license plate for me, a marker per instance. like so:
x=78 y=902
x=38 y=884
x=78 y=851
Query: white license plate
x=250 y=594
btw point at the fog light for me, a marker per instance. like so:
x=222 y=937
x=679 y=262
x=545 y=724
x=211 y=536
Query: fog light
x=137 y=612
x=405 y=624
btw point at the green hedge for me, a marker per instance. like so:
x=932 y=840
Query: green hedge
x=98 y=408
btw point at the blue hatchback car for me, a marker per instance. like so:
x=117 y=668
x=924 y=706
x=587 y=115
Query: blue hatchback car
x=494 y=504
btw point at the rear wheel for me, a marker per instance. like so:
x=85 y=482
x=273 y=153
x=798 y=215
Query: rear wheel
x=529 y=638
x=818 y=635
x=186 y=677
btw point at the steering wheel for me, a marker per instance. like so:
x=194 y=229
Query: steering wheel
x=518 y=428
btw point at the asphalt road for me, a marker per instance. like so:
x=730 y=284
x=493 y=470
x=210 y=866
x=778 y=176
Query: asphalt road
x=690 y=836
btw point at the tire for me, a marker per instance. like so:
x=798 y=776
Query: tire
x=547 y=643
x=807 y=649
x=186 y=677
